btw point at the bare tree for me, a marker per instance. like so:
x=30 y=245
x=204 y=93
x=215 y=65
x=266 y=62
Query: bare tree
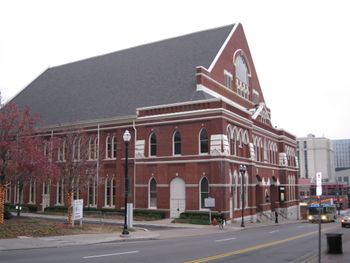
x=77 y=159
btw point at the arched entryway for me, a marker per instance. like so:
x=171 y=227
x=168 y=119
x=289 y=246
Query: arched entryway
x=177 y=197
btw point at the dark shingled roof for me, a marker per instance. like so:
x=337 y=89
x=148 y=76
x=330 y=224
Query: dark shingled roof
x=115 y=84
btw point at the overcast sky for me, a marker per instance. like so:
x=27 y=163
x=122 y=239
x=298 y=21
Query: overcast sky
x=300 y=48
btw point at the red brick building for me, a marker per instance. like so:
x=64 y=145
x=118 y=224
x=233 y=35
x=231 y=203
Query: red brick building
x=196 y=112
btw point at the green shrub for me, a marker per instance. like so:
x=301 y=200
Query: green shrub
x=56 y=209
x=150 y=214
x=200 y=215
x=196 y=217
x=7 y=213
x=31 y=208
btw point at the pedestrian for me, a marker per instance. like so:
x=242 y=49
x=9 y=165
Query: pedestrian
x=222 y=220
x=276 y=216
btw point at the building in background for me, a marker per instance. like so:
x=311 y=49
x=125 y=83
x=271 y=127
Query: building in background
x=342 y=154
x=316 y=155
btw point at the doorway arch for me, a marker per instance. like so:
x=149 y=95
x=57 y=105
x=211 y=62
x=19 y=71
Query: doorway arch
x=177 y=197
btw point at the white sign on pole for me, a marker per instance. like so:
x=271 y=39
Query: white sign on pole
x=209 y=202
x=319 y=184
x=78 y=209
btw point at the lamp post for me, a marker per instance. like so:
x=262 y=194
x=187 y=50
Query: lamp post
x=126 y=139
x=242 y=170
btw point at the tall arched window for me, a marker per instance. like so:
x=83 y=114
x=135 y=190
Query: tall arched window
x=177 y=143
x=153 y=145
x=62 y=152
x=111 y=147
x=76 y=149
x=234 y=190
x=110 y=192
x=242 y=76
x=114 y=147
x=152 y=193
x=203 y=141
x=204 y=191
x=92 y=189
x=92 y=148
x=108 y=147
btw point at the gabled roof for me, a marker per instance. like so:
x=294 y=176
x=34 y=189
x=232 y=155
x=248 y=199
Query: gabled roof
x=115 y=84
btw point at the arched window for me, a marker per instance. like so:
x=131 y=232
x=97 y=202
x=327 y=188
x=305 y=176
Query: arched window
x=152 y=193
x=32 y=192
x=234 y=191
x=76 y=149
x=62 y=152
x=242 y=76
x=203 y=141
x=60 y=193
x=204 y=191
x=108 y=147
x=93 y=148
x=232 y=139
x=177 y=143
x=111 y=147
x=110 y=192
x=92 y=189
x=114 y=147
x=153 y=145
x=246 y=193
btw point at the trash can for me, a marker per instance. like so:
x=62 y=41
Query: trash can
x=334 y=243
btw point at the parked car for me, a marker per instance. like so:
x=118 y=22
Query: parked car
x=345 y=221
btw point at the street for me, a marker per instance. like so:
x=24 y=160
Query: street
x=296 y=242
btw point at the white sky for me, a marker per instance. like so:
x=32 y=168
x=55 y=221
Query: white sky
x=300 y=48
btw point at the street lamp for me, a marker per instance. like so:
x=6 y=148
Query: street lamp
x=242 y=170
x=126 y=139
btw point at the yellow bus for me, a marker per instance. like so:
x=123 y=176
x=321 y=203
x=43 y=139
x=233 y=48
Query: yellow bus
x=328 y=213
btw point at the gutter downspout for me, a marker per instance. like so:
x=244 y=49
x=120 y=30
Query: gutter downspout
x=98 y=164
x=135 y=132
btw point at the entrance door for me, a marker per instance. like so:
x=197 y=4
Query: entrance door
x=177 y=197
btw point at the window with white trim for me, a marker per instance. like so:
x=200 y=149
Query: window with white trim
x=111 y=147
x=93 y=148
x=203 y=141
x=110 y=191
x=76 y=149
x=228 y=79
x=242 y=77
x=32 y=192
x=153 y=144
x=177 y=143
x=92 y=187
x=61 y=154
x=60 y=193
x=204 y=191
x=152 y=193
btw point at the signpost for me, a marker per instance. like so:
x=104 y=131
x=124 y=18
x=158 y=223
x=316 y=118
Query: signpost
x=319 y=194
x=78 y=210
x=209 y=202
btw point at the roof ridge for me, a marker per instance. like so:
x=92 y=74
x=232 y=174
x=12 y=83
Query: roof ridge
x=142 y=45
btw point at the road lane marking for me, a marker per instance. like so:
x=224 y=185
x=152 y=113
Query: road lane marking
x=274 y=231
x=226 y=239
x=114 y=254
x=257 y=247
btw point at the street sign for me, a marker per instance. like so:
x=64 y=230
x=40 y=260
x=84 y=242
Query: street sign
x=319 y=184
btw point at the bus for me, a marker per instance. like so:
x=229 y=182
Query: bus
x=328 y=212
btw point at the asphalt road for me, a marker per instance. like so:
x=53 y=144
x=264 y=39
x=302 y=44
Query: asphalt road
x=278 y=243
